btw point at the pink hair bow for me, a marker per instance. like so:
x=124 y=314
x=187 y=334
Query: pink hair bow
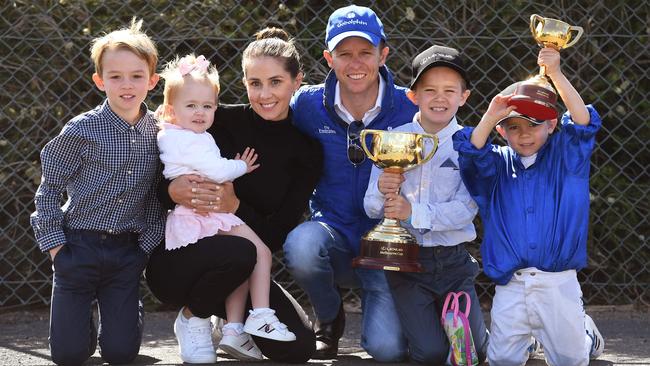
x=200 y=64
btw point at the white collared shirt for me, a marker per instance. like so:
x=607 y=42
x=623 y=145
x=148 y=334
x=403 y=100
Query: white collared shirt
x=528 y=160
x=369 y=115
x=442 y=210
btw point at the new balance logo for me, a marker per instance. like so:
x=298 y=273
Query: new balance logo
x=249 y=347
x=267 y=328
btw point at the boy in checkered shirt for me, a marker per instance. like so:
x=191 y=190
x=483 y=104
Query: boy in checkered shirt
x=106 y=161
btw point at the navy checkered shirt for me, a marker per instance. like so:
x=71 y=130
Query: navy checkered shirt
x=110 y=172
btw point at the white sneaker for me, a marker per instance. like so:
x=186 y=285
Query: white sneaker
x=267 y=325
x=194 y=339
x=217 y=328
x=241 y=347
x=594 y=338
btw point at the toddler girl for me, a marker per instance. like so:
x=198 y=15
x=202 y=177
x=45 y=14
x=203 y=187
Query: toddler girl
x=190 y=100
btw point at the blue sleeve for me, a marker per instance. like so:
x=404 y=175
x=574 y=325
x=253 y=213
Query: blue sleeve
x=294 y=101
x=478 y=167
x=298 y=106
x=578 y=142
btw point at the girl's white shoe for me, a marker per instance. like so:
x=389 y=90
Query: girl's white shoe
x=264 y=323
x=240 y=346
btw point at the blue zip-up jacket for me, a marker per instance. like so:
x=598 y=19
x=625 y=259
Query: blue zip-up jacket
x=534 y=217
x=338 y=198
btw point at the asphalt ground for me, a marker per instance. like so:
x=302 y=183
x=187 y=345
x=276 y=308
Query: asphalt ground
x=23 y=339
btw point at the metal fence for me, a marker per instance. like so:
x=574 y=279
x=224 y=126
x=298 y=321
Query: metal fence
x=45 y=80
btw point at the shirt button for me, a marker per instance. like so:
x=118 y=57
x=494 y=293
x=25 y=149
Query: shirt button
x=530 y=210
x=110 y=231
x=533 y=246
x=133 y=141
x=129 y=172
x=120 y=200
x=132 y=128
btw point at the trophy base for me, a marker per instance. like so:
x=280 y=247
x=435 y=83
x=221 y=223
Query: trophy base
x=386 y=265
x=401 y=255
x=535 y=98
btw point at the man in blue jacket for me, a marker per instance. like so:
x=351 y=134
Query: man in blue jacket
x=358 y=93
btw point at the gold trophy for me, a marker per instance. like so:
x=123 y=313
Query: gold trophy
x=536 y=97
x=388 y=245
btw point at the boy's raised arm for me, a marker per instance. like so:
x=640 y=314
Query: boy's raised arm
x=496 y=111
x=551 y=59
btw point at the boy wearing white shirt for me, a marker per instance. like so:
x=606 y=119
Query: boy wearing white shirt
x=434 y=205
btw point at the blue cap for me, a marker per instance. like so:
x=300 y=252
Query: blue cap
x=354 y=21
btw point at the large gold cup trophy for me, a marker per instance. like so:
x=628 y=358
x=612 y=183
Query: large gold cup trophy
x=388 y=245
x=536 y=97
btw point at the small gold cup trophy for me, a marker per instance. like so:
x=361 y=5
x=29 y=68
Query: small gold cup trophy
x=536 y=97
x=388 y=245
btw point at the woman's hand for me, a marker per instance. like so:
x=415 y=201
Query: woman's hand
x=195 y=192
x=203 y=195
x=226 y=197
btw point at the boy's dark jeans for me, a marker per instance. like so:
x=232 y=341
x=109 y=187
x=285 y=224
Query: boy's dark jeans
x=419 y=298
x=96 y=266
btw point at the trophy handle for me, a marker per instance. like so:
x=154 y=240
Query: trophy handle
x=534 y=20
x=421 y=138
x=576 y=38
x=362 y=137
x=533 y=23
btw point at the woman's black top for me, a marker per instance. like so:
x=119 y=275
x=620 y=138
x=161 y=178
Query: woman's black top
x=274 y=197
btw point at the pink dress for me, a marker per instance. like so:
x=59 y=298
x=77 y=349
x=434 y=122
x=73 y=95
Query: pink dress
x=186 y=152
x=185 y=227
